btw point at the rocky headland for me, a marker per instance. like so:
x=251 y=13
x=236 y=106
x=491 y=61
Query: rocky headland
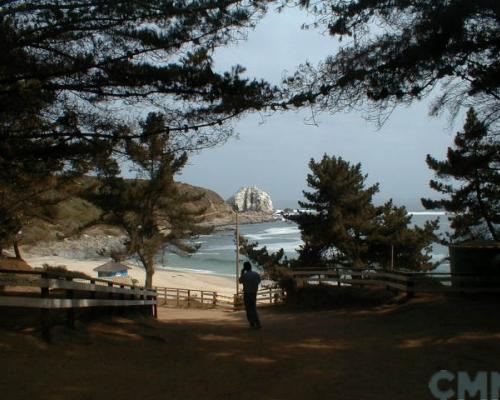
x=56 y=239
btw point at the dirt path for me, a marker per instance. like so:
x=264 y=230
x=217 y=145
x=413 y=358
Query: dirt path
x=384 y=353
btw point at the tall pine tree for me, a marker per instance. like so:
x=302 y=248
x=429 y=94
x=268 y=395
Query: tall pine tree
x=74 y=74
x=472 y=190
x=339 y=220
x=151 y=209
x=395 y=244
x=343 y=227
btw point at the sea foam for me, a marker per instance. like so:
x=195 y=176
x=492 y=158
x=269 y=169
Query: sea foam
x=427 y=213
x=272 y=232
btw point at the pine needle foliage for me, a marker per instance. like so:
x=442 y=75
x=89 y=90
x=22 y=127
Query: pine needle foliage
x=469 y=179
x=151 y=209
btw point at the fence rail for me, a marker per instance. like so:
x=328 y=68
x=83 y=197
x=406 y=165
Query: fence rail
x=181 y=297
x=50 y=290
x=411 y=283
x=186 y=297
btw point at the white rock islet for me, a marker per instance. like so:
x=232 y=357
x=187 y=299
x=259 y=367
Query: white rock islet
x=251 y=198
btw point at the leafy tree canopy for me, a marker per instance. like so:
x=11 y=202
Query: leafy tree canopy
x=397 y=51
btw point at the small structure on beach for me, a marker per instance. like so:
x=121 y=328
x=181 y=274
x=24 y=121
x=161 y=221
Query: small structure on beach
x=112 y=269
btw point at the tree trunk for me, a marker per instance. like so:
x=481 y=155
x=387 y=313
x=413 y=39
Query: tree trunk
x=16 y=250
x=149 y=267
x=149 y=278
x=484 y=210
x=150 y=270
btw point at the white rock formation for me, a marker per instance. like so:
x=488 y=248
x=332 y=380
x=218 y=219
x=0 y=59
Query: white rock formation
x=251 y=199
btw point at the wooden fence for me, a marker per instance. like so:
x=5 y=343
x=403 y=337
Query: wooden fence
x=265 y=297
x=411 y=283
x=179 y=297
x=49 y=290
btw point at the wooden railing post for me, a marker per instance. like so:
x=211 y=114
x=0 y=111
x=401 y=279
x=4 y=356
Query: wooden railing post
x=165 y=294
x=189 y=298
x=155 y=306
x=461 y=285
x=214 y=300
x=270 y=296
x=45 y=313
x=202 y=299
x=70 y=294
x=92 y=310
x=110 y=296
x=236 y=302
x=410 y=287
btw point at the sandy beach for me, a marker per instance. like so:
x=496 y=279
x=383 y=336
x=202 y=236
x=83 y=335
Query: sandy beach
x=162 y=277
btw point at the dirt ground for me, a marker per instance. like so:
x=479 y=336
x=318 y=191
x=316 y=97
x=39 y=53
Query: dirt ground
x=386 y=352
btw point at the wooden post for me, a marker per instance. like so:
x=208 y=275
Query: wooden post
x=141 y=297
x=392 y=257
x=461 y=285
x=235 y=302
x=165 y=293
x=214 y=300
x=189 y=298
x=202 y=299
x=148 y=308
x=155 y=306
x=178 y=300
x=92 y=310
x=237 y=253
x=71 y=310
x=121 y=296
x=410 y=285
x=110 y=296
x=44 y=313
x=270 y=296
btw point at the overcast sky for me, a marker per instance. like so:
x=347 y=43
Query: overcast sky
x=274 y=155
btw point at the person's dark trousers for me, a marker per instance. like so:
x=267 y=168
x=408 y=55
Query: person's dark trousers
x=250 y=300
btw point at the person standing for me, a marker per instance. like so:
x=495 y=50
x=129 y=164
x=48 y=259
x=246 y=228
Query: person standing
x=250 y=280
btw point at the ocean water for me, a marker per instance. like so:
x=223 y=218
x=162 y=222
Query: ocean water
x=217 y=252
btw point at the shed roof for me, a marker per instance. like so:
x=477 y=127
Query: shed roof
x=112 y=266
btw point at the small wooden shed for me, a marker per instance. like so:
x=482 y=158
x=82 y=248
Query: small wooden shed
x=112 y=269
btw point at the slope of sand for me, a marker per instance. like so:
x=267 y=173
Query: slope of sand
x=163 y=278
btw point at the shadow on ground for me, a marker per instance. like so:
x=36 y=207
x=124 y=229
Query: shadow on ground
x=386 y=352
